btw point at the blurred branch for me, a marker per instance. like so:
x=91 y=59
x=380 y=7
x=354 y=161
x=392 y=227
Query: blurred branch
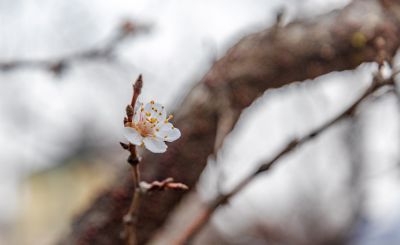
x=221 y=199
x=363 y=31
x=58 y=65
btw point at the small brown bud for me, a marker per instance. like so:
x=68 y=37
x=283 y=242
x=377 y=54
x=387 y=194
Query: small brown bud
x=124 y=146
x=129 y=111
x=128 y=26
x=137 y=86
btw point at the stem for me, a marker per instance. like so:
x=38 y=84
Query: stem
x=202 y=219
x=131 y=218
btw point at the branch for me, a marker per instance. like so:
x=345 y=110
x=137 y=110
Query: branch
x=340 y=40
x=194 y=228
x=131 y=218
x=58 y=65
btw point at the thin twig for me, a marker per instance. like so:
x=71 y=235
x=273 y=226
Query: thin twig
x=130 y=219
x=58 y=65
x=193 y=229
x=166 y=184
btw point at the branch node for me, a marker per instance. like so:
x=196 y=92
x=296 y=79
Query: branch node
x=133 y=160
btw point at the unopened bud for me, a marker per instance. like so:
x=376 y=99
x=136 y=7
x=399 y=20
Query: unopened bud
x=129 y=111
x=124 y=146
x=137 y=87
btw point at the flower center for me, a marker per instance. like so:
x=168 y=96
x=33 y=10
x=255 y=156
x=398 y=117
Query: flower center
x=144 y=129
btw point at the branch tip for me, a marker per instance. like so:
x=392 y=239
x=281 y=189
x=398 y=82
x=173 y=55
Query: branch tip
x=137 y=87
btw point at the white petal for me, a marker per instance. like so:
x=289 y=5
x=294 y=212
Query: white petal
x=156 y=110
x=161 y=114
x=168 y=132
x=139 y=115
x=137 y=109
x=173 y=135
x=155 y=145
x=133 y=136
x=138 y=104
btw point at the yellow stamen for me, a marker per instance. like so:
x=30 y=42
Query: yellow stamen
x=152 y=102
x=148 y=114
x=169 y=118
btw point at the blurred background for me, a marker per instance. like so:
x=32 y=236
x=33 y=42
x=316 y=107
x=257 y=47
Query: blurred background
x=66 y=69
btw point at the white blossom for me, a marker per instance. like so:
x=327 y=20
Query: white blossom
x=151 y=127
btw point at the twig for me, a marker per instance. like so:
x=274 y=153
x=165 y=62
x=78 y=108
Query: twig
x=166 y=184
x=58 y=65
x=222 y=198
x=130 y=219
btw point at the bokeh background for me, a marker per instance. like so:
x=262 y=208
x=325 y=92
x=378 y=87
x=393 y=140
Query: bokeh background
x=61 y=121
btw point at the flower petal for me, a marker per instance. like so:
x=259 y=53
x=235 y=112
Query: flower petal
x=139 y=114
x=173 y=135
x=138 y=105
x=133 y=136
x=168 y=132
x=156 y=110
x=154 y=145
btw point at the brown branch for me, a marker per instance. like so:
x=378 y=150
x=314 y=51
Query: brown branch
x=131 y=218
x=193 y=229
x=340 y=40
x=58 y=65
